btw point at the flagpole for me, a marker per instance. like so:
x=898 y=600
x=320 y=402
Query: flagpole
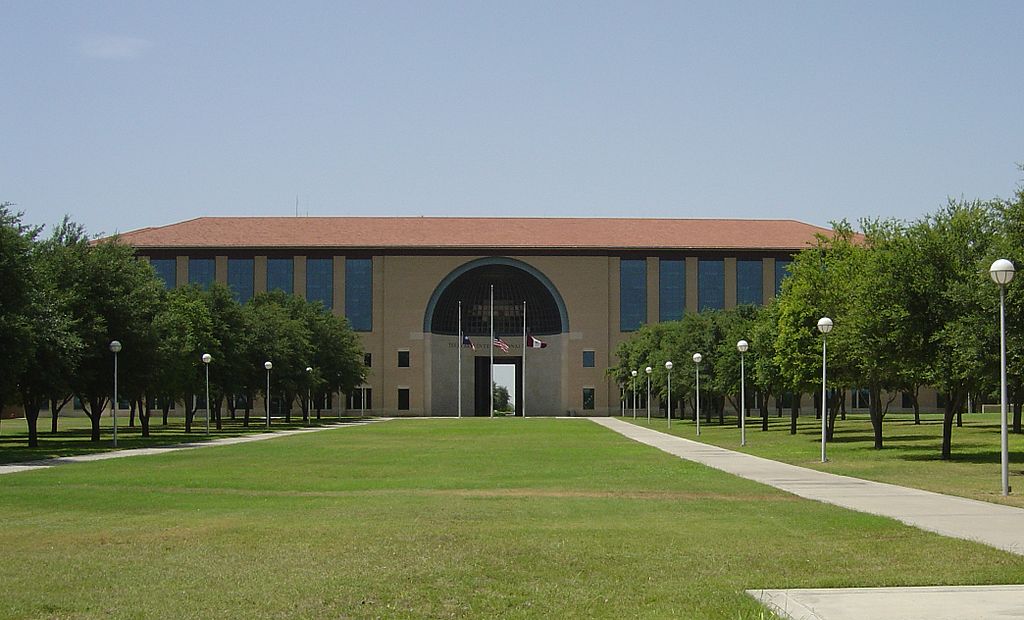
x=522 y=396
x=490 y=387
x=459 y=345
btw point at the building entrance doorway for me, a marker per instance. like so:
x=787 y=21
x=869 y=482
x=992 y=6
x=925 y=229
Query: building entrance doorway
x=483 y=390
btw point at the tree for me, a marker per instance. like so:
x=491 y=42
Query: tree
x=734 y=325
x=957 y=304
x=282 y=338
x=53 y=347
x=501 y=398
x=765 y=372
x=17 y=283
x=229 y=371
x=821 y=283
x=115 y=297
x=1009 y=244
x=185 y=329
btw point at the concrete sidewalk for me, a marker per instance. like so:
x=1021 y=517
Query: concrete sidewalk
x=14 y=468
x=992 y=524
x=925 y=603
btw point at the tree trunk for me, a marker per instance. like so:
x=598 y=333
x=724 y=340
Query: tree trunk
x=947 y=429
x=764 y=412
x=94 y=410
x=131 y=414
x=32 y=406
x=954 y=403
x=190 y=411
x=959 y=417
x=219 y=401
x=166 y=408
x=876 y=415
x=1016 y=415
x=55 y=406
x=144 y=414
x=817 y=406
x=794 y=413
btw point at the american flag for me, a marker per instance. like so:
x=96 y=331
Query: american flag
x=501 y=344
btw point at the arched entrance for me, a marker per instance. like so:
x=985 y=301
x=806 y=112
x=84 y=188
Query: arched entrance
x=537 y=377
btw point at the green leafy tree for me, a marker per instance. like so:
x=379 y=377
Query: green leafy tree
x=16 y=284
x=734 y=325
x=53 y=348
x=281 y=337
x=186 y=331
x=230 y=373
x=821 y=283
x=116 y=297
x=765 y=372
x=961 y=336
x=502 y=400
x=1010 y=245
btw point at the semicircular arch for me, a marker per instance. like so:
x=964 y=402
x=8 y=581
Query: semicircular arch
x=515 y=282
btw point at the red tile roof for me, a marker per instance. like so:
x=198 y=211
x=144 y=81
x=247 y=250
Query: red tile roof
x=476 y=233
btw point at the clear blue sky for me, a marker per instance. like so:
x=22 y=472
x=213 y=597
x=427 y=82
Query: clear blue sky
x=138 y=114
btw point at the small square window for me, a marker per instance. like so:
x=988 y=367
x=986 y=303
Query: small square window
x=403 y=399
x=588 y=359
x=403 y=359
x=588 y=399
x=367 y=360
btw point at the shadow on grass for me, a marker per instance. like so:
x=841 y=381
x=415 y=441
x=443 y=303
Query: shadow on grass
x=77 y=441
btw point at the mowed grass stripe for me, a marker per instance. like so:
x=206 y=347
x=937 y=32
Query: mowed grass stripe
x=440 y=518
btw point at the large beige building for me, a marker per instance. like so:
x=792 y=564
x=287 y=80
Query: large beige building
x=584 y=283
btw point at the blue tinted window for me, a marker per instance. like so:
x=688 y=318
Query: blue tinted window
x=632 y=294
x=167 y=270
x=671 y=289
x=200 y=271
x=749 y=276
x=359 y=293
x=280 y=274
x=781 y=272
x=588 y=359
x=710 y=284
x=241 y=279
x=320 y=281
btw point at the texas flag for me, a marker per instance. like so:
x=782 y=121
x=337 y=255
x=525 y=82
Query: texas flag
x=466 y=342
x=535 y=343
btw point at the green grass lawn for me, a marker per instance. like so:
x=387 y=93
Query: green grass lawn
x=440 y=518
x=73 y=434
x=910 y=456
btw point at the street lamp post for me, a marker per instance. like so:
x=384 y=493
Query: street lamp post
x=696 y=362
x=648 y=370
x=824 y=326
x=668 y=408
x=207 y=358
x=742 y=347
x=309 y=395
x=1002 y=271
x=633 y=384
x=115 y=348
x=268 y=365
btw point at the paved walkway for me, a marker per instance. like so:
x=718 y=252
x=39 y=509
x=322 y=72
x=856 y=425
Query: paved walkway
x=992 y=524
x=119 y=454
